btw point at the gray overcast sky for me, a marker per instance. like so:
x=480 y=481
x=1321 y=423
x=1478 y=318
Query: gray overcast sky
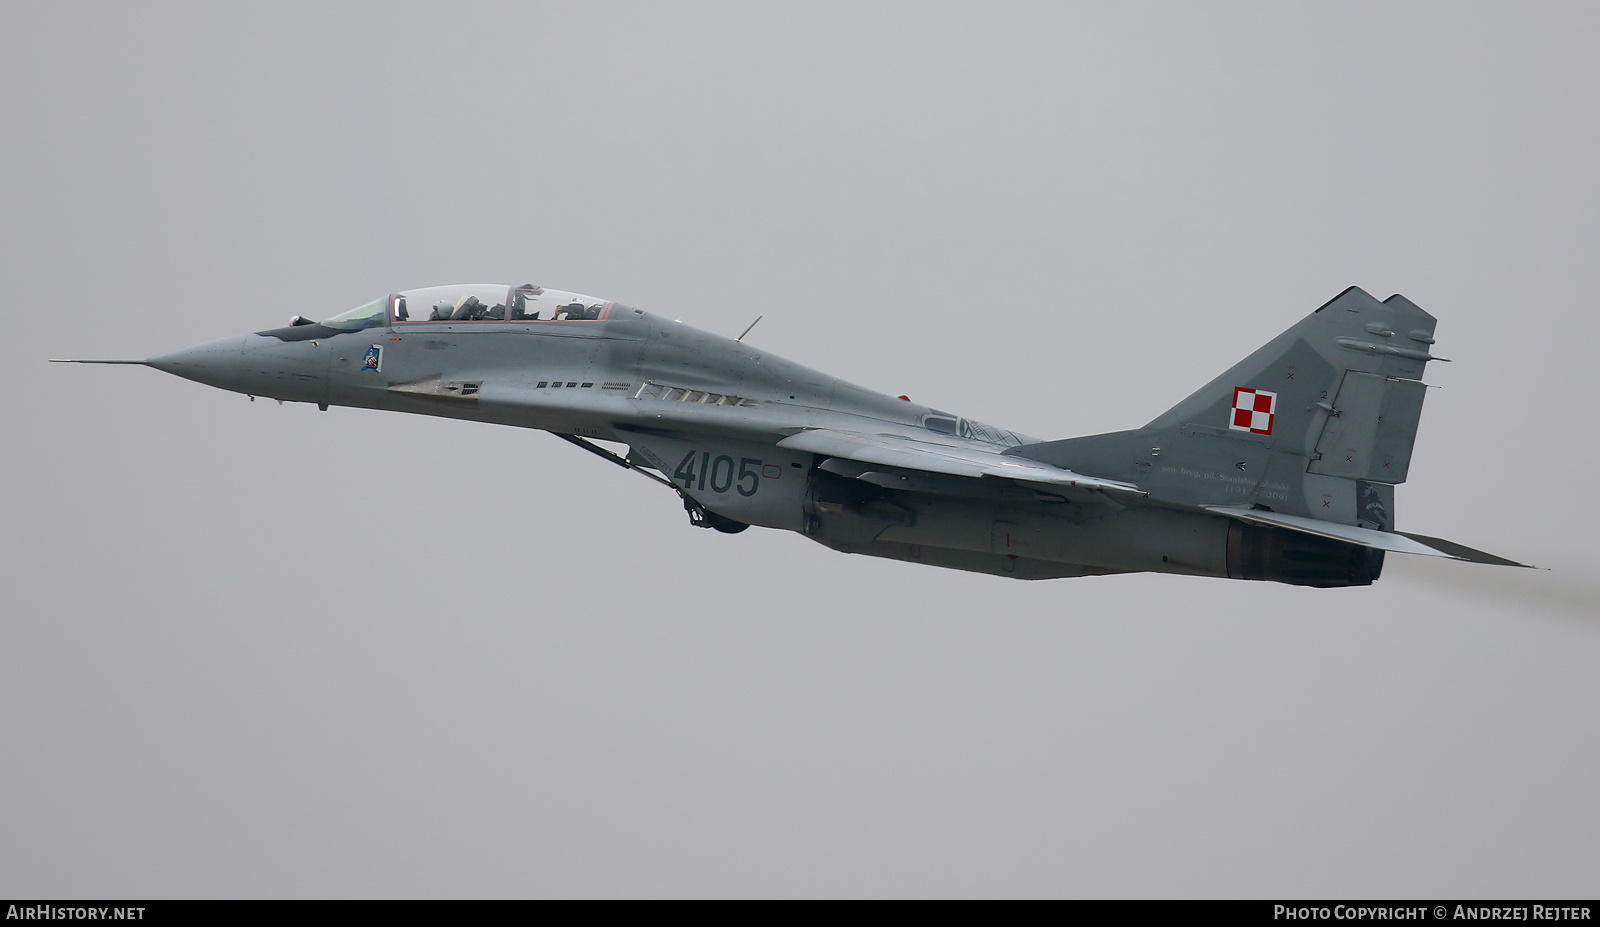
x=263 y=651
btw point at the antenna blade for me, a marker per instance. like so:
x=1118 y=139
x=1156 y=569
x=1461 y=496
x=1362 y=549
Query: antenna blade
x=748 y=327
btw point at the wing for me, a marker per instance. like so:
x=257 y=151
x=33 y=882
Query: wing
x=909 y=453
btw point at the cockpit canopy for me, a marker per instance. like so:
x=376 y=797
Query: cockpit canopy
x=476 y=303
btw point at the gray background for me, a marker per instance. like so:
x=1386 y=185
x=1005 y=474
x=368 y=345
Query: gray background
x=260 y=650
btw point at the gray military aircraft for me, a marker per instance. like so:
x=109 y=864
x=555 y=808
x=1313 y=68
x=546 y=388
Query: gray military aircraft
x=1283 y=468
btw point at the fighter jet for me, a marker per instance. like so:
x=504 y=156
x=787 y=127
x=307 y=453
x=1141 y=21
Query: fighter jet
x=1283 y=468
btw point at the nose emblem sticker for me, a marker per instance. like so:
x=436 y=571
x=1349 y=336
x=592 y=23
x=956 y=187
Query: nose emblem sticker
x=374 y=358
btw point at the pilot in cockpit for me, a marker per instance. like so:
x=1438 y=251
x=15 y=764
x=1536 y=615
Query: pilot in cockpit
x=469 y=309
x=577 y=311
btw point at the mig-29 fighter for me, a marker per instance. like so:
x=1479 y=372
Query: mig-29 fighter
x=1283 y=468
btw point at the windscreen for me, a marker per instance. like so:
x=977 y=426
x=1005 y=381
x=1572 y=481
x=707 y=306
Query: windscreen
x=370 y=315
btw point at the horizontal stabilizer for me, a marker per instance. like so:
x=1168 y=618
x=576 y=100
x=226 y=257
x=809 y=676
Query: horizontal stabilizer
x=938 y=457
x=1397 y=541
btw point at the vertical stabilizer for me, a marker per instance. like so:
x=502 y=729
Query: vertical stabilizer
x=1318 y=422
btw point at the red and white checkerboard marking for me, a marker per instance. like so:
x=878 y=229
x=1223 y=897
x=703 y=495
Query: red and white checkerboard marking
x=1253 y=410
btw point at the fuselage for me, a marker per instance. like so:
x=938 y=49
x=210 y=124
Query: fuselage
x=710 y=415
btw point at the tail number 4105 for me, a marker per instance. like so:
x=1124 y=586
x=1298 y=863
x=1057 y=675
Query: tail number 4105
x=718 y=473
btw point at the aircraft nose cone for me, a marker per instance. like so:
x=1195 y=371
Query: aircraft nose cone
x=258 y=364
x=212 y=363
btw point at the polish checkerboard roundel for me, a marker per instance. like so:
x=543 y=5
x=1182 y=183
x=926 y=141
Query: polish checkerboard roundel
x=1253 y=410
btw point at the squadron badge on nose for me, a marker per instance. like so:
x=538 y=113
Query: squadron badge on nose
x=374 y=358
